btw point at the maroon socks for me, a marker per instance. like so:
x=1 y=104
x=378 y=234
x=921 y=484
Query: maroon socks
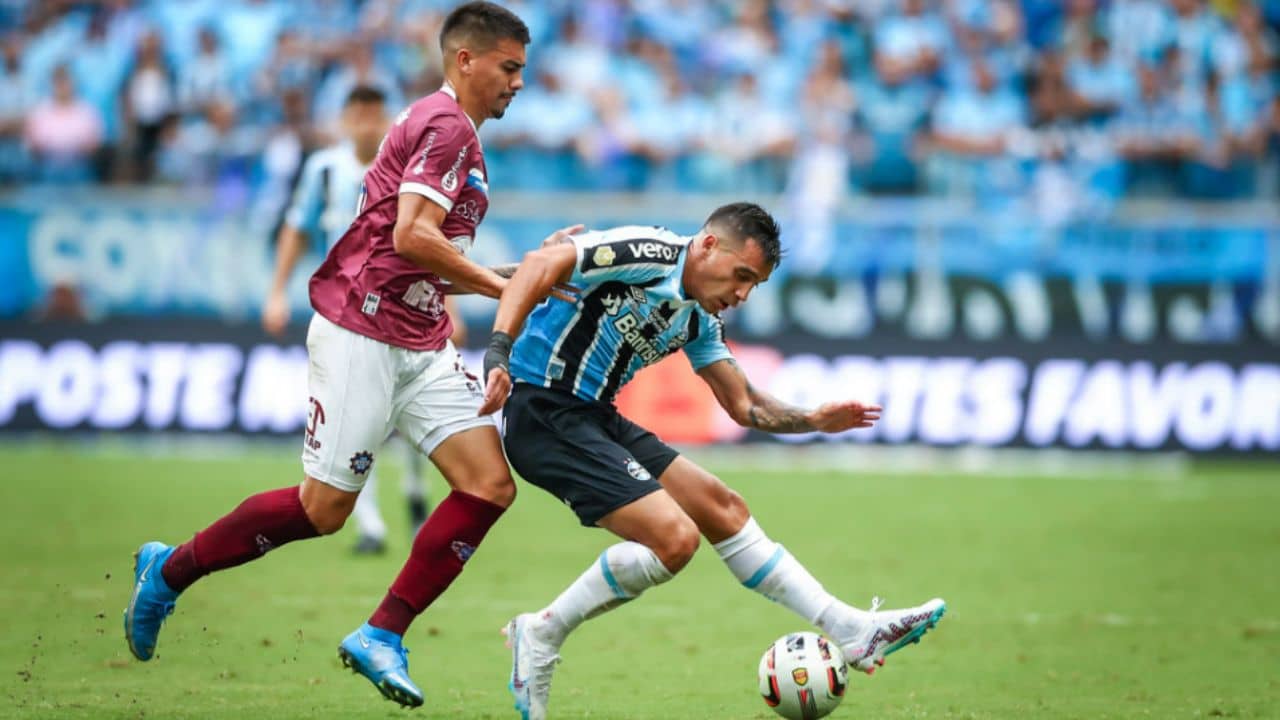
x=443 y=545
x=260 y=523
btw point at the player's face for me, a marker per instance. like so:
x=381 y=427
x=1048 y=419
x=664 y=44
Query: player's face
x=728 y=273
x=498 y=74
x=365 y=124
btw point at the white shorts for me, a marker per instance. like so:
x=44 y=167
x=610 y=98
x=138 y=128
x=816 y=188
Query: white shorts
x=362 y=389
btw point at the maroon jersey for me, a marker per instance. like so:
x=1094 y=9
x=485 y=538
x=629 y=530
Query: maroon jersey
x=364 y=285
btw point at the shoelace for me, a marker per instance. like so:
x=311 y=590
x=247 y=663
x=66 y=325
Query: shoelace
x=876 y=602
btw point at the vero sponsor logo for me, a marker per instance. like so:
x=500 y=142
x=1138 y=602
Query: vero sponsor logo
x=653 y=251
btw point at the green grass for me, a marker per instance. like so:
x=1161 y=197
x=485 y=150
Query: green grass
x=1096 y=597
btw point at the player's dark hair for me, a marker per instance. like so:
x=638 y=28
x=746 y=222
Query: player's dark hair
x=481 y=25
x=744 y=220
x=364 y=95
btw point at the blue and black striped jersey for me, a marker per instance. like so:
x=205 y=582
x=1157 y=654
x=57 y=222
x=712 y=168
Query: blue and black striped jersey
x=632 y=312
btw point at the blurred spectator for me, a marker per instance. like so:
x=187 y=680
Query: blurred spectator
x=150 y=94
x=357 y=68
x=63 y=133
x=970 y=128
x=206 y=77
x=99 y=68
x=1155 y=133
x=13 y=108
x=891 y=114
x=750 y=141
x=697 y=95
x=819 y=173
x=911 y=43
x=248 y=29
x=1100 y=80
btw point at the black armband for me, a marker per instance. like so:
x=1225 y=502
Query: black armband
x=499 y=354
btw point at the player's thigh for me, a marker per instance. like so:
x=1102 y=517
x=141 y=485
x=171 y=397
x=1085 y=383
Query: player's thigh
x=472 y=461
x=438 y=411
x=563 y=448
x=350 y=379
x=718 y=511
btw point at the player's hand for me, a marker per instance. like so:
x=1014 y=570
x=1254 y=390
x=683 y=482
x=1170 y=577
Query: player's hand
x=275 y=314
x=834 y=417
x=497 y=373
x=496 y=388
x=563 y=235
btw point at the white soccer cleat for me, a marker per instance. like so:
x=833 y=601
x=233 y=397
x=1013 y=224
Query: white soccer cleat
x=533 y=660
x=888 y=631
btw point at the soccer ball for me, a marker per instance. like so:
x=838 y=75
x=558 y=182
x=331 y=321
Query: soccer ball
x=803 y=676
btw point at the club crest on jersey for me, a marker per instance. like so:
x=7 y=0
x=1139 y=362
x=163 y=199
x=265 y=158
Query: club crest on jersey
x=637 y=471
x=603 y=256
x=612 y=303
x=361 y=462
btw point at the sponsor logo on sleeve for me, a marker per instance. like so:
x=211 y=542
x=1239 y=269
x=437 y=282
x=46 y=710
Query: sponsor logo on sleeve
x=632 y=252
x=603 y=256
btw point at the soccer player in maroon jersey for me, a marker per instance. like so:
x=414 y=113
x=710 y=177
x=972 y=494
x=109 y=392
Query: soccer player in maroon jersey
x=380 y=359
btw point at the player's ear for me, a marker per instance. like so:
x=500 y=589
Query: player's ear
x=463 y=58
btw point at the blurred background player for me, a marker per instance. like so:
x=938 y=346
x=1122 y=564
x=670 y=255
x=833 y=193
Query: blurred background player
x=324 y=203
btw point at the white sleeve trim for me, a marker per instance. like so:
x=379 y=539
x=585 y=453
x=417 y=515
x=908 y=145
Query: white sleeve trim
x=428 y=192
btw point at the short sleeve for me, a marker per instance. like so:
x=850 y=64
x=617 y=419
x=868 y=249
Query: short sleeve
x=624 y=255
x=308 y=197
x=708 y=346
x=436 y=165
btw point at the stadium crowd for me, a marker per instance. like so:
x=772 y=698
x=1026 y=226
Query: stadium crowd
x=1073 y=102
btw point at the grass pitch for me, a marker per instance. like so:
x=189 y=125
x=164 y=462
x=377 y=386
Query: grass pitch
x=1106 y=596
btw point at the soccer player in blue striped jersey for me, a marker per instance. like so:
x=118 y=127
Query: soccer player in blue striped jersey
x=643 y=293
x=324 y=202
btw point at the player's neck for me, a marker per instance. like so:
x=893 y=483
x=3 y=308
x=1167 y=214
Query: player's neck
x=476 y=114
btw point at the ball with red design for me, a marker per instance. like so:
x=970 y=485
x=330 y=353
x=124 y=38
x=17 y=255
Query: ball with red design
x=803 y=676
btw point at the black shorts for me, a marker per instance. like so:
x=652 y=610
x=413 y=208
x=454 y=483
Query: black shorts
x=584 y=453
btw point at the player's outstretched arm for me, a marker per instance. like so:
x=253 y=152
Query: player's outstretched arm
x=539 y=273
x=751 y=407
x=417 y=236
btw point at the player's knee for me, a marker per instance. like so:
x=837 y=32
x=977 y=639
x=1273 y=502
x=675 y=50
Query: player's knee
x=679 y=541
x=328 y=519
x=733 y=509
x=495 y=487
x=327 y=507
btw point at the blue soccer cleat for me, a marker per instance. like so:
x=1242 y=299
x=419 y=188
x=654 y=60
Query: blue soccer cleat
x=152 y=600
x=378 y=655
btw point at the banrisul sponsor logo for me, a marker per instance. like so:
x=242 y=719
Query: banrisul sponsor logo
x=632 y=332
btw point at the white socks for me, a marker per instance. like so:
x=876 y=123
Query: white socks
x=622 y=572
x=766 y=567
x=368 y=519
x=413 y=480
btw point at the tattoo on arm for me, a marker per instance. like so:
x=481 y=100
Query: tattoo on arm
x=770 y=414
x=505 y=271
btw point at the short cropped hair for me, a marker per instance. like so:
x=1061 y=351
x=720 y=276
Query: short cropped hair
x=743 y=220
x=364 y=95
x=481 y=25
